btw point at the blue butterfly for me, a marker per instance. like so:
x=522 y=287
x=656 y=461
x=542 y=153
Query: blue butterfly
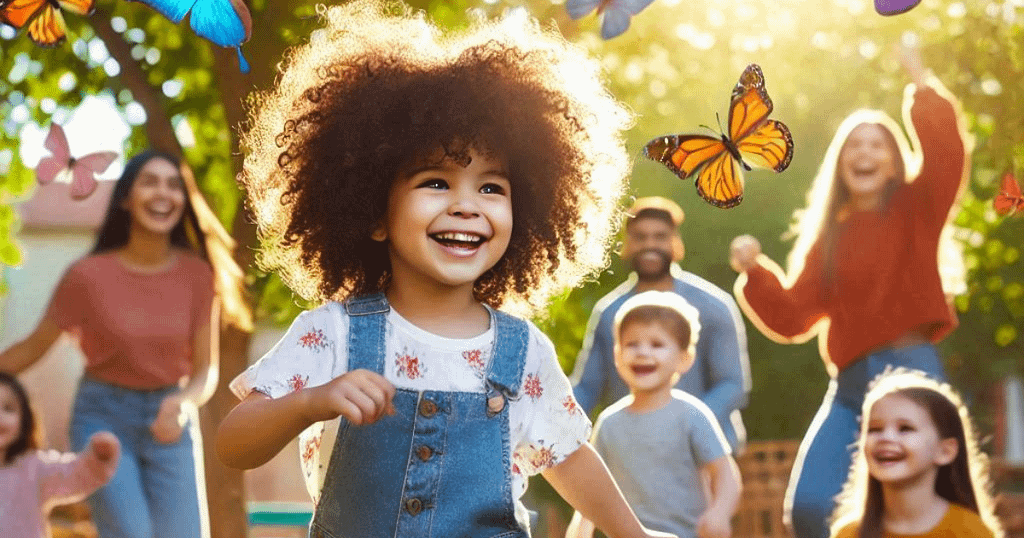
x=894 y=7
x=224 y=22
x=616 y=13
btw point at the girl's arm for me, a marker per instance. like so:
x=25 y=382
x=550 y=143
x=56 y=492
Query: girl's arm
x=260 y=426
x=725 y=498
x=783 y=314
x=71 y=477
x=585 y=483
x=580 y=527
x=170 y=420
x=28 y=351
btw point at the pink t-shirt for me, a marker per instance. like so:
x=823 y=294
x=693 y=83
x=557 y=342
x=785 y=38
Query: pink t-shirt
x=39 y=480
x=135 y=328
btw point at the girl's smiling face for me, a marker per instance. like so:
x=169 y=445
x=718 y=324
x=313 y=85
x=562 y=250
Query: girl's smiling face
x=447 y=224
x=10 y=418
x=902 y=444
x=867 y=163
x=156 y=201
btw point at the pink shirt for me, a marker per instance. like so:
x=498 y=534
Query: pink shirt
x=136 y=329
x=39 y=480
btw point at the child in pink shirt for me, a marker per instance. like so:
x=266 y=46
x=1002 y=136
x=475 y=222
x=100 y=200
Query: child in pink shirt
x=33 y=481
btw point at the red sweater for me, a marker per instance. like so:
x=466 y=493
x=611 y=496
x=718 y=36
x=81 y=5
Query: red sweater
x=887 y=276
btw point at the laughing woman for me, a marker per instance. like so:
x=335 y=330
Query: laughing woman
x=864 y=270
x=144 y=308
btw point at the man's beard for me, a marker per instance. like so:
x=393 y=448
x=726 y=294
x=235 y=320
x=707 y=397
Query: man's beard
x=647 y=273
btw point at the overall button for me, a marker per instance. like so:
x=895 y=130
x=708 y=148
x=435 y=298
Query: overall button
x=428 y=408
x=424 y=452
x=413 y=506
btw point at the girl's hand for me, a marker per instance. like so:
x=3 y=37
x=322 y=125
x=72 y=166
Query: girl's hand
x=169 y=423
x=361 y=396
x=713 y=524
x=105 y=450
x=743 y=253
x=910 y=59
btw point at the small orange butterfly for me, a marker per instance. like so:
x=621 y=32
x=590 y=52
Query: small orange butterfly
x=752 y=136
x=1009 y=200
x=45 y=23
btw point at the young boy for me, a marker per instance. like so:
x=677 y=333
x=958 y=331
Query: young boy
x=659 y=441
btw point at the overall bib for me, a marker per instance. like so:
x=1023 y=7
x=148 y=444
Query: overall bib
x=440 y=466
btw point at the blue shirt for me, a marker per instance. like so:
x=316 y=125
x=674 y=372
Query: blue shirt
x=720 y=375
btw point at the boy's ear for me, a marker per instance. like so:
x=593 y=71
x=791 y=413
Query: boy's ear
x=686 y=362
x=379 y=234
x=948 y=449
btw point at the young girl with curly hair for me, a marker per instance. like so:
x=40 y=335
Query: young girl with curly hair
x=918 y=471
x=414 y=182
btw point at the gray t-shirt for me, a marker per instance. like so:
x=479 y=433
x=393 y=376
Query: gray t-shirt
x=656 y=459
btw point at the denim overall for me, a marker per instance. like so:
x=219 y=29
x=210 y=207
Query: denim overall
x=439 y=467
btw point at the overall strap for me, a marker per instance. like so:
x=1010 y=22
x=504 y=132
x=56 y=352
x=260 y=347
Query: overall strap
x=367 y=316
x=511 y=336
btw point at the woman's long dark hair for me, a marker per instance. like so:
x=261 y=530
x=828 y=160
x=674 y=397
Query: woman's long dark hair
x=28 y=430
x=114 y=233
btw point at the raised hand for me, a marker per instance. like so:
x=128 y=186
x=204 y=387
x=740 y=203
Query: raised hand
x=361 y=396
x=743 y=253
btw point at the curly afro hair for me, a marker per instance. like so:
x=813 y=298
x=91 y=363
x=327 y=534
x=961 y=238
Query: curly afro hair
x=380 y=88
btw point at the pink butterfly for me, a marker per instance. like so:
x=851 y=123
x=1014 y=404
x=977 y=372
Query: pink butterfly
x=83 y=169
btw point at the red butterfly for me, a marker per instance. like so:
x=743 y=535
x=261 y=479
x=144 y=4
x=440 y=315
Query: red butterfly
x=82 y=169
x=1009 y=200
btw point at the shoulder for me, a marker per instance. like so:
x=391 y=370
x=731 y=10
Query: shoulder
x=194 y=263
x=706 y=297
x=605 y=307
x=91 y=266
x=693 y=408
x=966 y=522
x=847 y=531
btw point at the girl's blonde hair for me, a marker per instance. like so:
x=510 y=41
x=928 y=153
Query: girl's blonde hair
x=380 y=86
x=964 y=481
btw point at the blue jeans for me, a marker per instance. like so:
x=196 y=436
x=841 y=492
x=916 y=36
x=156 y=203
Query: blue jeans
x=823 y=463
x=155 y=491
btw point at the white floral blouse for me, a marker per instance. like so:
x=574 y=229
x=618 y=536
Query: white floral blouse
x=545 y=423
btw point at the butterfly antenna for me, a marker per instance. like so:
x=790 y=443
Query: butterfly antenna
x=719 y=118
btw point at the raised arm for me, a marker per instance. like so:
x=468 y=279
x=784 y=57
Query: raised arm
x=69 y=478
x=260 y=426
x=784 y=314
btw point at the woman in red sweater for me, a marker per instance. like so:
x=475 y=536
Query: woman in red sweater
x=864 y=275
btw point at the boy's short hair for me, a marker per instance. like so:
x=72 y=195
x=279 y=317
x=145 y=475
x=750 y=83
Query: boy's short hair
x=669 y=309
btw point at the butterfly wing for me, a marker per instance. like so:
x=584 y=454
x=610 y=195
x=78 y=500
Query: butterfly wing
x=750 y=104
x=684 y=154
x=17 y=13
x=580 y=8
x=768 y=146
x=48 y=28
x=83 y=172
x=57 y=143
x=227 y=23
x=895 y=7
x=1009 y=199
x=617 y=14
x=720 y=181
x=80 y=7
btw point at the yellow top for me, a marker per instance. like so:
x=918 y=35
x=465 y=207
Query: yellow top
x=959 y=522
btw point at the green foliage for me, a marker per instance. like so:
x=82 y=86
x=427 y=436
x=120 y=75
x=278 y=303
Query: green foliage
x=676 y=67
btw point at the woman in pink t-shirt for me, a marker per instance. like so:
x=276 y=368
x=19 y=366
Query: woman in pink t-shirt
x=142 y=304
x=33 y=481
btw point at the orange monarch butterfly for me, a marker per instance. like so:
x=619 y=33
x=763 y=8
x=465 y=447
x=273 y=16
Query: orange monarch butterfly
x=1009 y=200
x=45 y=23
x=752 y=136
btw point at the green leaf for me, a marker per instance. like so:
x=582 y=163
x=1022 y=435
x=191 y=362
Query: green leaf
x=1005 y=335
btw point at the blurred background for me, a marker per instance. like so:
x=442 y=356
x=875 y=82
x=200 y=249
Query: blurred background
x=127 y=78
